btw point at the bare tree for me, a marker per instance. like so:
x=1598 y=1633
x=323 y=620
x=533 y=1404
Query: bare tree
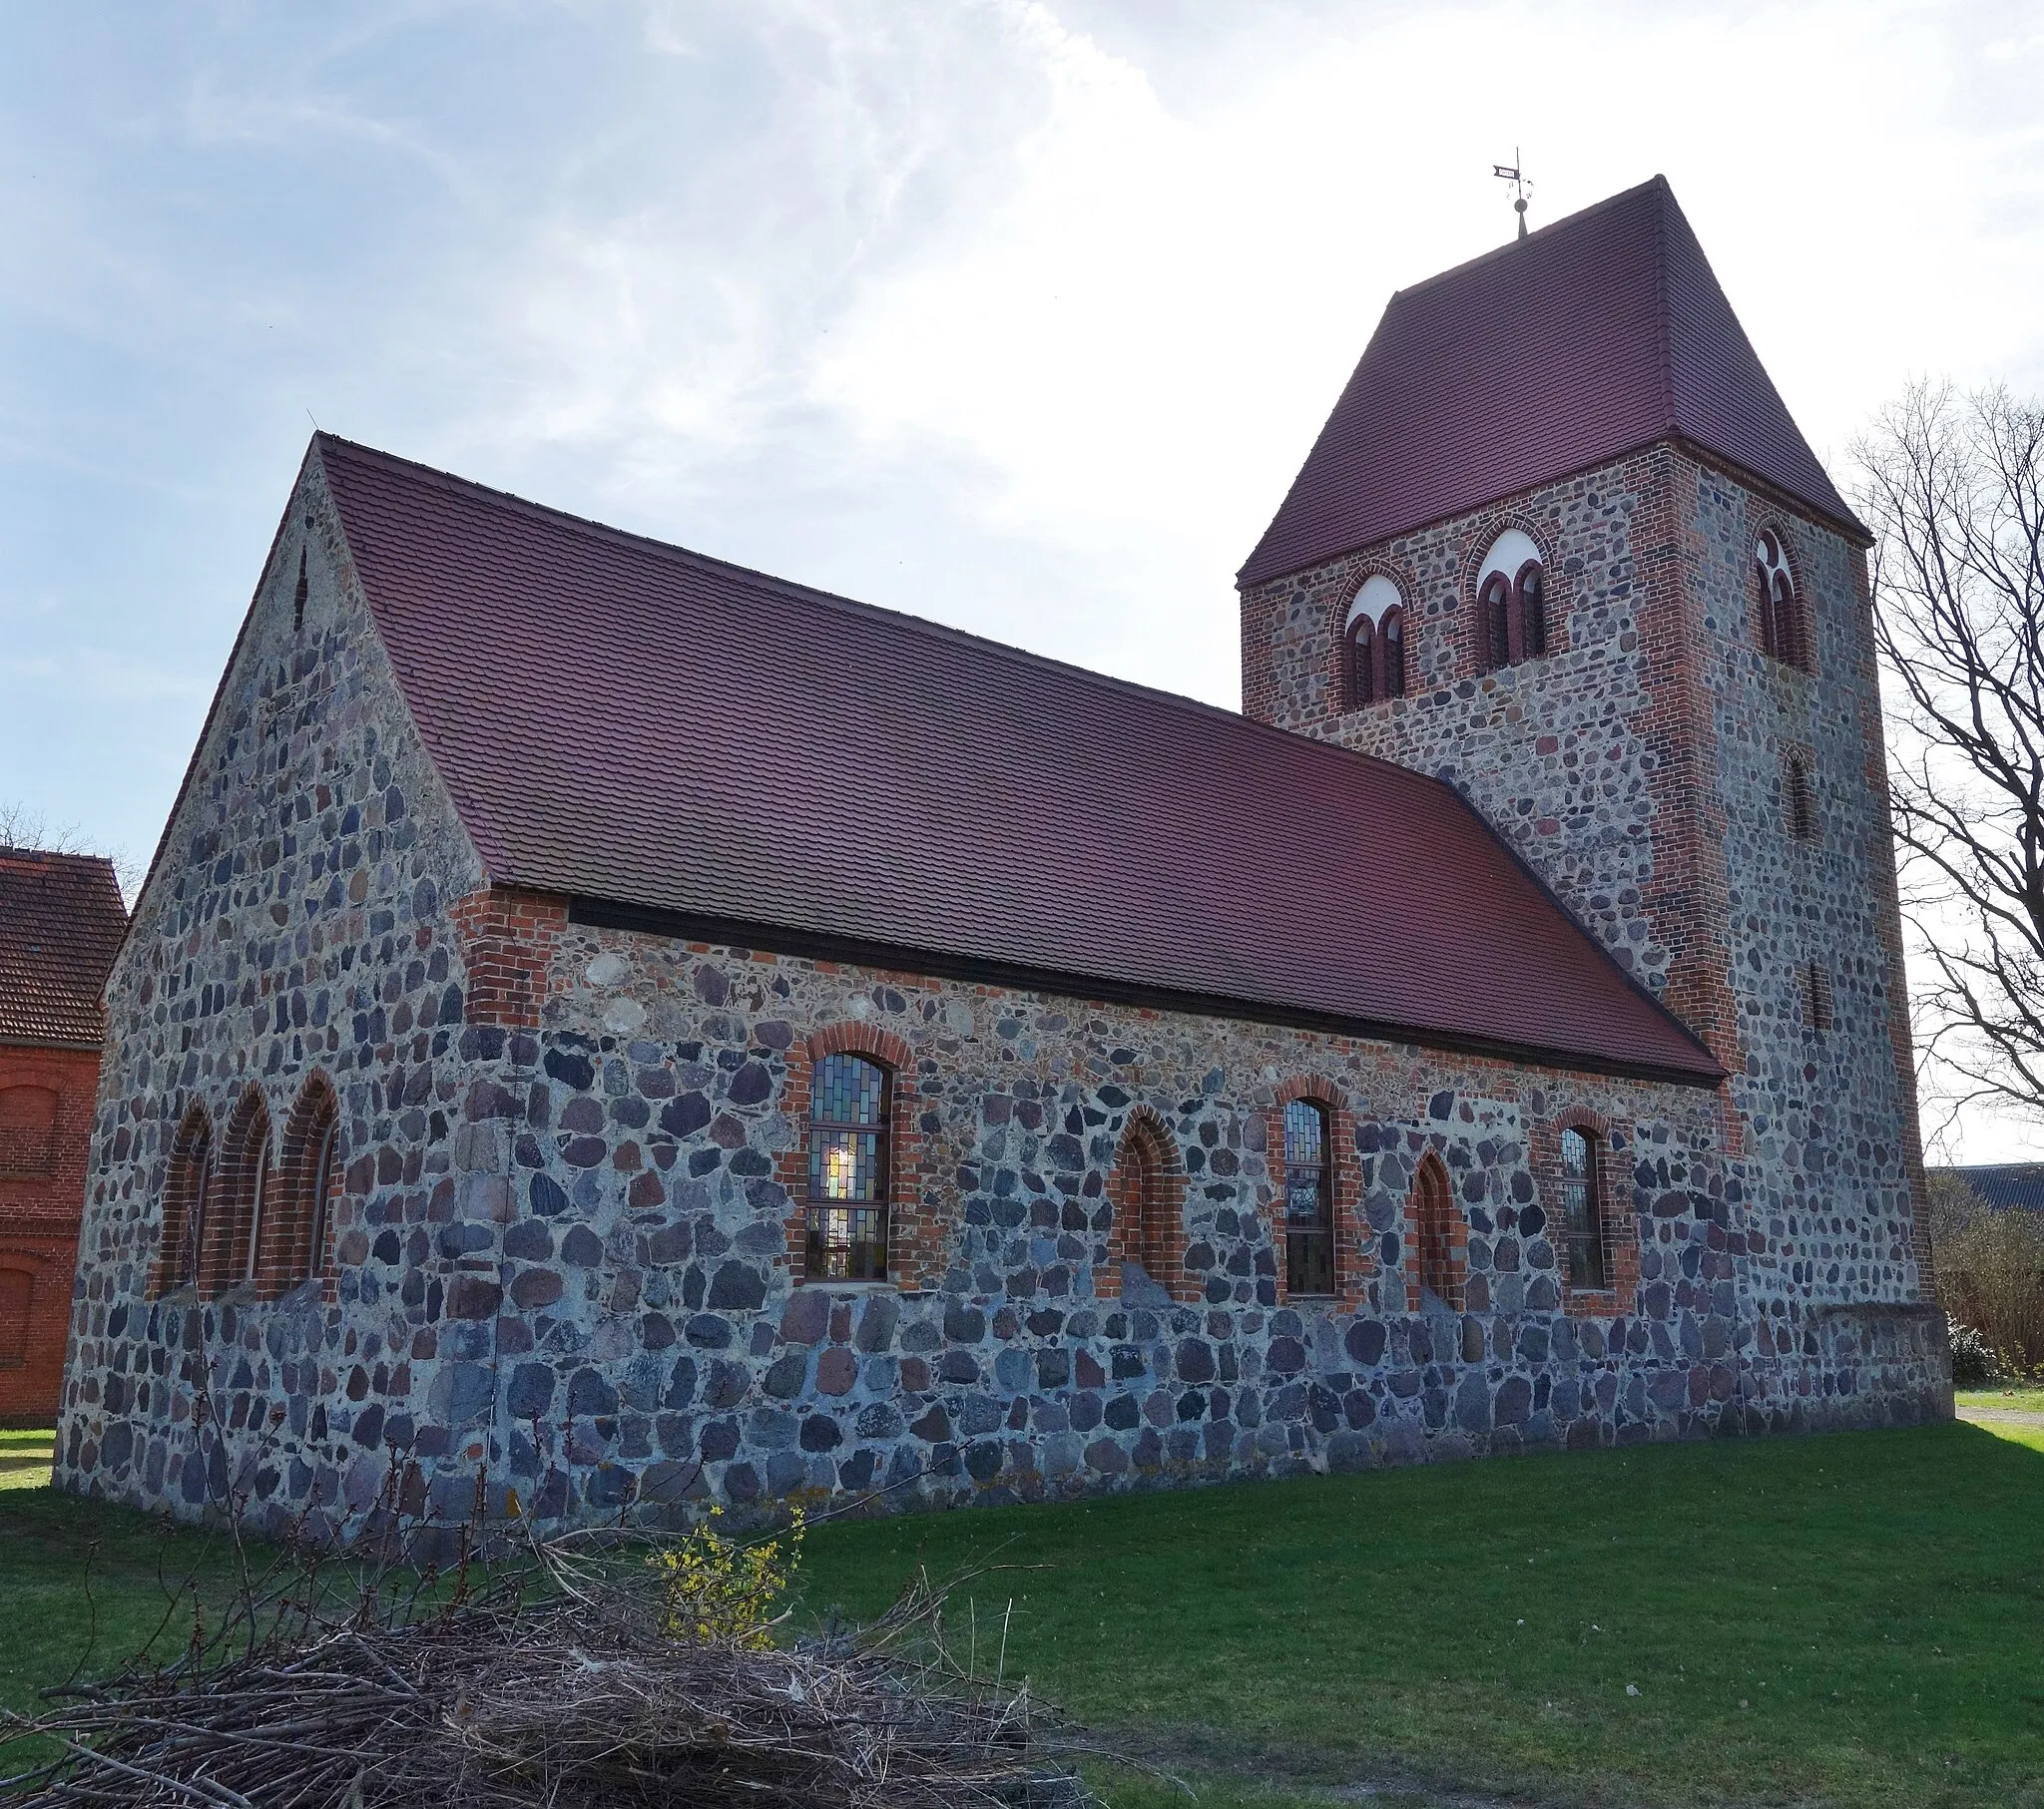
x=1954 y=494
x=26 y=829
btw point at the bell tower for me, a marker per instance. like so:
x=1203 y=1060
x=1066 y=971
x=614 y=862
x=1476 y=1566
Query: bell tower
x=1630 y=623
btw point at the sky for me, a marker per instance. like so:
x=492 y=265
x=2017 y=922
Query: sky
x=1019 y=314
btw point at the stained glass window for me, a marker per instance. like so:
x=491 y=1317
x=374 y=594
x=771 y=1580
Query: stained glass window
x=1308 y=1200
x=848 y=1171
x=1582 y=1211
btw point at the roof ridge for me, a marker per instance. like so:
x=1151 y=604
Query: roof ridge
x=1554 y=228
x=1003 y=649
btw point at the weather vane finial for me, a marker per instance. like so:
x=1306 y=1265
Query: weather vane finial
x=1513 y=174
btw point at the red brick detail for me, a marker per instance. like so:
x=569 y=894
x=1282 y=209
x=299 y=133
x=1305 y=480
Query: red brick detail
x=1339 y=688
x=292 y=1214
x=1353 y=1266
x=1146 y=1194
x=1802 y=655
x=1437 y=1237
x=246 y=1183
x=1901 y=1039
x=917 y=1226
x=46 y=1129
x=507 y=938
x=191 y=1189
x=1620 y=1227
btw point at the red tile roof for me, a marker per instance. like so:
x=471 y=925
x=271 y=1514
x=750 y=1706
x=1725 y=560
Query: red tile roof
x=61 y=924
x=621 y=720
x=1588 y=339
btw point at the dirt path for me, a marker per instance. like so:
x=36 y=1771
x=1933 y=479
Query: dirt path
x=2008 y=1416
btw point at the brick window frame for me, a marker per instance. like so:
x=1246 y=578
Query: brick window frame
x=1783 y=635
x=1798 y=795
x=1342 y=677
x=248 y=1191
x=1146 y=1194
x=1353 y=1265
x=1437 y=1238
x=1620 y=1227
x=914 y=1235
x=298 y=1231
x=1477 y=592
x=190 y=1186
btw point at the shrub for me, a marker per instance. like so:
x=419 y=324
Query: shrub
x=1973 y=1361
x=714 y=1590
x=1991 y=1271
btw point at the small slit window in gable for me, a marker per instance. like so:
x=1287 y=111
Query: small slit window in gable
x=298 y=595
x=1816 y=997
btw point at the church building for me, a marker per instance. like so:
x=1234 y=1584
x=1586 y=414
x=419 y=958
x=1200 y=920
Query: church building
x=649 y=1032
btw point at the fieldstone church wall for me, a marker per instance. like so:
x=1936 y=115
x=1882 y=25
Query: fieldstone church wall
x=561 y=1253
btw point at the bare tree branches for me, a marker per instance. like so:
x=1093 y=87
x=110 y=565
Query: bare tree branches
x=29 y=830
x=1955 y=493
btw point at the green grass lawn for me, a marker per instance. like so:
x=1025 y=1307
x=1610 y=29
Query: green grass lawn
x=1852 y=1620
x=2009 y=1399
x=1855 y=1620
x=25 y=1459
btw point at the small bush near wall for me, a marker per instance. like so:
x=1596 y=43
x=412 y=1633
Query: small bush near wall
x=1990 y=1268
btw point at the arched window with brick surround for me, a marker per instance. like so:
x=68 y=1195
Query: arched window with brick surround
x=850 y=1160
x=1146 y=1195
x=1511 y=601
x=1440 y=1234
x=187 y=1202
x=1586 y=1225
x=247 y=1188
x=1780 y=609
x=1309 y=1199
x=297 y=1226
x=1373 y=645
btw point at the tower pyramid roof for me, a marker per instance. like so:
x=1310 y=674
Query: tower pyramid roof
x=1589 y=339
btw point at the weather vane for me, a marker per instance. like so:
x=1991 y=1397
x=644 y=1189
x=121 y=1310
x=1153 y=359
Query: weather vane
x=1512 y=173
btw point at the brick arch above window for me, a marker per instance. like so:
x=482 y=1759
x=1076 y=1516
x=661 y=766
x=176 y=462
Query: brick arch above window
x=1364 y=594
x=1439 y=1230
x=1352 y=1263
x=1146 y=1194
x=853 y=1037
x=190 y=1193
x=1779 y=598
x=297 y=1237
x=248 y=1187
x=1616 y=1227
x=917 y=1229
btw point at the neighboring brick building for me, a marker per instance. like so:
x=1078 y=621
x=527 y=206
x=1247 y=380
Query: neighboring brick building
x=61 y=921
x=628 y=1024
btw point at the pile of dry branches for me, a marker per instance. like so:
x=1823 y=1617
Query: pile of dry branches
x=552 y=1677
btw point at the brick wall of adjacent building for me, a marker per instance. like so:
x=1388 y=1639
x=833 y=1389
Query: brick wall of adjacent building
x=46 y=1116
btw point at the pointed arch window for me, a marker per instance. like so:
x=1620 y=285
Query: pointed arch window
x=1582 y=1208
x=1391 y=633
x=293 y=1235
x=850 y=1107
x=187 y=1202
x=1441 y=1234
x=1309 y=1199
x=1781 y=612
x=246 y=1195
x=1144 y=1195
x=1511 y=601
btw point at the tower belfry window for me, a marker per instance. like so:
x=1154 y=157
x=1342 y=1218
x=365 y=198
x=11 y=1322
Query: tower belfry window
x=1511 y=601
x=1373 y=645
x=1780 y=609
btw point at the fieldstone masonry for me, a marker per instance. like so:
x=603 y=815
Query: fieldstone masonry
x=563 y=1254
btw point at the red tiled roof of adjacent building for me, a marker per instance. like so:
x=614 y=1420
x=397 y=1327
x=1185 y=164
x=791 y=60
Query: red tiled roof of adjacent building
x=1591 y=338
x=61 y=924
x=626 y=721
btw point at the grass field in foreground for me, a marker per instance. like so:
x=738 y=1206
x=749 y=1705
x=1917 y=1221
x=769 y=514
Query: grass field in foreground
x=25 y=1458
x=1855 y=1619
